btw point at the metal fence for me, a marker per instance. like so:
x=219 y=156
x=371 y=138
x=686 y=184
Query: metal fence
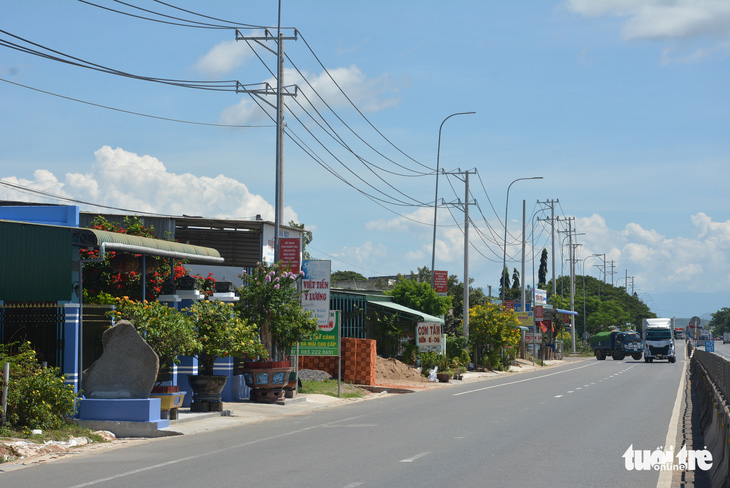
x=718 y=369
x=40 y=323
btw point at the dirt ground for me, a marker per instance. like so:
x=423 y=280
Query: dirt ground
x=391 y=372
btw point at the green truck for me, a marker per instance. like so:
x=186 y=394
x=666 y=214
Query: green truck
x=617 y=344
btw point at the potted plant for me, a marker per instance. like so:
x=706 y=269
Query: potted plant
x=269 y=298
x=221 y=332
x=169 y=333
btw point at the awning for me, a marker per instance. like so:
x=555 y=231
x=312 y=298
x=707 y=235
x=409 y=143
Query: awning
x=566 y=312
x=114 y=241
x=394 y=307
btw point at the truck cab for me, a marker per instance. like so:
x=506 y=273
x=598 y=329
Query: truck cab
x=658 y=335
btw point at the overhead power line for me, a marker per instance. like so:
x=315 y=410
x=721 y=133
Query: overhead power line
x=129 y=111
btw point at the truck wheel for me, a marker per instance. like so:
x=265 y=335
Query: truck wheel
x=636 y=356
x=617 y=357
x=646 y=360
x=599 y=354
x=672 y=360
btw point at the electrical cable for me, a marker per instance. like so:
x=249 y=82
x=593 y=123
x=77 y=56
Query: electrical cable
x=130 y=112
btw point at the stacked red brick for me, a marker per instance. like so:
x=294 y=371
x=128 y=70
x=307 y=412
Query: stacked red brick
x=358 y=361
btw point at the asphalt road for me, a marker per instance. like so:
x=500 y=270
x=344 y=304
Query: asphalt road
x=561 y=426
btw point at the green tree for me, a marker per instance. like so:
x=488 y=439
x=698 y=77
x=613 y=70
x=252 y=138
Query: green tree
x=516 y=291
x=270 y=299
x=721 y=321
x=542 y=271
x=419 y=296
x=222 y=333
x=504 y=283
x=494 y=335
x=454 y=321
x=347 y=276
x=306 y=238
x=167 y=331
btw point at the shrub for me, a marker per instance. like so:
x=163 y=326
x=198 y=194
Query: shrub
x=38 y=398
x=167 y=331
x=221 y=333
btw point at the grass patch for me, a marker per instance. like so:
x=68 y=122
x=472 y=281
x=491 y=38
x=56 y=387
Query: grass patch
x=329 y=387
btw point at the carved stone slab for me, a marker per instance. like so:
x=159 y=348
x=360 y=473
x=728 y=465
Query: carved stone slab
x=127 y=368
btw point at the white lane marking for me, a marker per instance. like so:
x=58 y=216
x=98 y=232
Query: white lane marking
x=522 y=381
x=570 y=391
x=665 y=476
x=212 y=452
x=558 y=396
x=355 y=484
x=417 y=456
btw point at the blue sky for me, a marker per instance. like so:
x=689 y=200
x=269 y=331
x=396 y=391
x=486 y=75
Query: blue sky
x=621 y=106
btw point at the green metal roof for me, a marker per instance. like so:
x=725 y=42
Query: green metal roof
x=408 y=311
x=114 y=241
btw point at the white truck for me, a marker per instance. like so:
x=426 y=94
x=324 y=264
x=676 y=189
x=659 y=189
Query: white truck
x=726 y=337
x=658 y=337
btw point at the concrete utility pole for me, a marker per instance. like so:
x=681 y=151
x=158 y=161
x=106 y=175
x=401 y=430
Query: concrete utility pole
x=279 y=173
x=465 y=204
x=551 y=204
x=522 y=271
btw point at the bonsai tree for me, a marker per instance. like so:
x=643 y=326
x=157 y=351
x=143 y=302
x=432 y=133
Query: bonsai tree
x=222 y=333
x=270 y=299
x=168 y=332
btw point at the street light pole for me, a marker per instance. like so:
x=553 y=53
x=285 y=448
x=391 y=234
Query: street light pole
x=436 y=198
x=506 y=205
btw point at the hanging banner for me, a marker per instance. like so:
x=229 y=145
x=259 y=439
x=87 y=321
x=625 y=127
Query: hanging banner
x=316 y=289
x=326 y=342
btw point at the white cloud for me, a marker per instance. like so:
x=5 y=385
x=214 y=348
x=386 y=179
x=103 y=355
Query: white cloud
x=660 y=263
x=223 y=58
x=121 y=179
x=368 y=94
x=665 y=19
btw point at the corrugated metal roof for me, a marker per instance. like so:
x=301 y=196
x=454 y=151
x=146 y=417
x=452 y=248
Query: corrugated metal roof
x=400 y=308
x=113 y=241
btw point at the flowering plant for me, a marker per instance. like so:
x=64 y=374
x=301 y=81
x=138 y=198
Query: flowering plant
x=221 y=333
x=270 y=299
x=102 y=277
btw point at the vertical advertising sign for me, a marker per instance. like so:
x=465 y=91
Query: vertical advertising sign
x=316 y=289
x=326 y=342
x=441 y=282
x=428 y=336
x=540 y=297
x=289 y=254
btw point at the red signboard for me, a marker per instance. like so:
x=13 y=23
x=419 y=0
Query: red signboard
x=440 y=281
x=538 y=312
x=509 y=304
x=289 y=254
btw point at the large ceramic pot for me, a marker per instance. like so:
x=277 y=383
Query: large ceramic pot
x=267 y=380
x=206 y=392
